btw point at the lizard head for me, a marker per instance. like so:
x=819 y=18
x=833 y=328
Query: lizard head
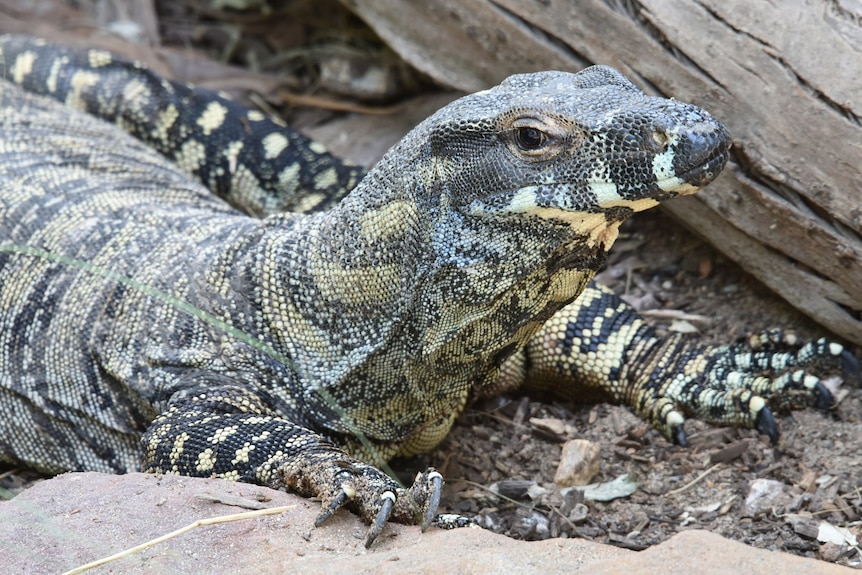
x=525 y=186
x=562 y=146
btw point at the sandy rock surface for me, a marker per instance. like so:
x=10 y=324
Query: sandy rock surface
x=76 y=518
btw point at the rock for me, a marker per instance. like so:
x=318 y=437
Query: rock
x=65 y=522
x=763 y=495
x=704 y=553
x=579 y=463
x=620 y=486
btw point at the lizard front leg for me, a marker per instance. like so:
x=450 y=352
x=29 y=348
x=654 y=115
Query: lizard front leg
x=228 y=432
x=599 y=348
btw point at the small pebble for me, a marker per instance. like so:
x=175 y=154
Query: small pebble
x=763 y=494
x=579 y=463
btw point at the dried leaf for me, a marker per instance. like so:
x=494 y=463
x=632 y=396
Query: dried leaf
x=828 y=533
x=622 y=486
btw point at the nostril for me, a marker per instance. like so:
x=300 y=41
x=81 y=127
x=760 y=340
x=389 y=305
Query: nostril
x=660 y=139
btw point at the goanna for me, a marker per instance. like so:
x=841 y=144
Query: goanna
x=148 y=324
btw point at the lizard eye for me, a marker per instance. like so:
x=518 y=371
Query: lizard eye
x=529 y=138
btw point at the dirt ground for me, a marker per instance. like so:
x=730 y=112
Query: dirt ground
x=814 y=474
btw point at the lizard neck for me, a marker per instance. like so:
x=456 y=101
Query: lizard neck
x=331 y=285
x=508 y=278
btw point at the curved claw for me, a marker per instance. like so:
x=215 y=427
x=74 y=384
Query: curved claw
x=387 y=505
x=434 y=501
x=678 y=435
x=336 y=504
x=823 y=398
x=765 y=424
x=850 y=366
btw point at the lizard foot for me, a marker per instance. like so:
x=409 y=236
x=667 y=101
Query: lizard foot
x=739 y=384
x=425 y=493
x=367 y=491
x=219 y=425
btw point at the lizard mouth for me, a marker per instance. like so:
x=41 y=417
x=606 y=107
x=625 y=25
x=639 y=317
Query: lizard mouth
x=706 y=172
x=569 y=198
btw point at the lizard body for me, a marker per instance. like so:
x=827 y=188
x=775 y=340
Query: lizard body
x=329 y=341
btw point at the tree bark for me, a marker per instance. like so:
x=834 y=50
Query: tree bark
x=786 y=77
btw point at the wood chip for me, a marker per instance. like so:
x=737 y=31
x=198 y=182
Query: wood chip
x=550 y=424
x=808 y=483
x=804 y=526
x=729 y=453
x=233 y=501
x=625 y=542
x=513 y=488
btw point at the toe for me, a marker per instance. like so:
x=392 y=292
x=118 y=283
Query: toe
x=387 y=504
x=823 y=398
x=765 y=424
x=850 y=366
x=678 y=435
x=341 y=498
x=436 y=481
